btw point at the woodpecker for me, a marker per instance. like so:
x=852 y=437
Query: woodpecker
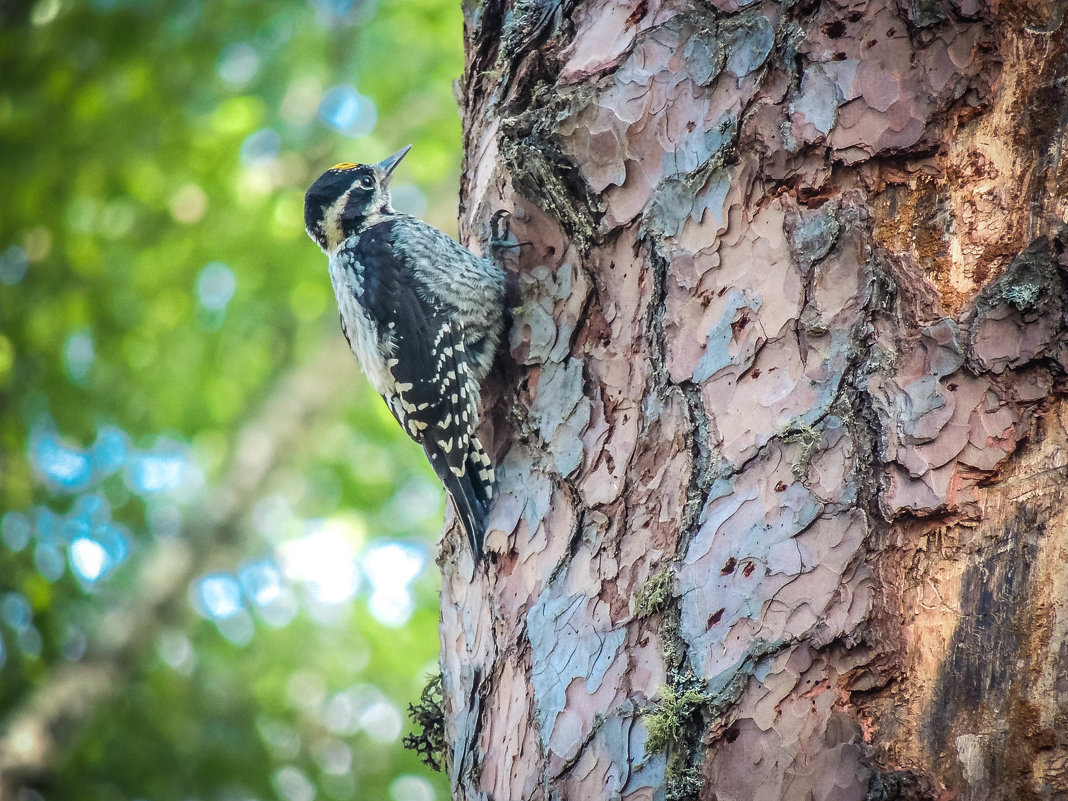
x=422 y=315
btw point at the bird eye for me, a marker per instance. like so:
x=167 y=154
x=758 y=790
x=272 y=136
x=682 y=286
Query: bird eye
x=367 y=182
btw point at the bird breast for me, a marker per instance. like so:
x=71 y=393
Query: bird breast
x=372 y=351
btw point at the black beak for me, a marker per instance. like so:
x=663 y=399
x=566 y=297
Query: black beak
x=389 y=164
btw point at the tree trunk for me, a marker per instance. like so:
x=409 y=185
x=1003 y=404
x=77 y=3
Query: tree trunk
x=783 y=449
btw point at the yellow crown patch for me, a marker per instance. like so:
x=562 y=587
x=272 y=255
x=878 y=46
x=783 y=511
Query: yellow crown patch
x=345 y=165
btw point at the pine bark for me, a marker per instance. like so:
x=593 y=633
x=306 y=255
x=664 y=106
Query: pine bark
x=782 y=429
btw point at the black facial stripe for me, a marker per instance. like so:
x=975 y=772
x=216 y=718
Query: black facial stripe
x=329 y=186
x=357 y=203
x=313 y=214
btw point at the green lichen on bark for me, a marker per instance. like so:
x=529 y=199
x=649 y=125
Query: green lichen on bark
x=655 y=594
x=428 y=717
x=809 y=441
x=676 y=720
x=675 y=725
x=542 y=173
x=676 y=709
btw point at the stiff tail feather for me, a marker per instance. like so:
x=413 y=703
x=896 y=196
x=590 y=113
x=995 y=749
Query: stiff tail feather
x=471 y=493
x=471 y=511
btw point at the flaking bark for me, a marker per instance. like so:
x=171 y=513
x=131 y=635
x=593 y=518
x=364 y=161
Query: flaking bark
x=789 y=332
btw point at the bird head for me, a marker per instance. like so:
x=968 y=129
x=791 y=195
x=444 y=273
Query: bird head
x=346 y=194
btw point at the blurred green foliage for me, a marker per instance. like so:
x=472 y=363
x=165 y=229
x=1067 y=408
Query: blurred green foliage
x=157 y=294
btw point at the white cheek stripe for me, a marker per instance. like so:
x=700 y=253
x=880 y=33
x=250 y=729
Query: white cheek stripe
x=332 y=222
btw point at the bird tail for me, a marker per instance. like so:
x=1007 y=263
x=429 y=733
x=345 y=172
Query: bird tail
x=471 y=491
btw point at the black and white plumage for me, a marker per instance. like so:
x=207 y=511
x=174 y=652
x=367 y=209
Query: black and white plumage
x=423 y=316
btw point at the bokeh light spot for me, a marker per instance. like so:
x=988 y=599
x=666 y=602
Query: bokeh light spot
x=306 y=689
x=411 y=788
x=215 y=286
x=341 y=713
x=109 y=451
x=238 y=63
x=14 y=263
x=88 y=558
x=79 y=355
x=418 y=500
x=90 y=510
x=324 y=559
x=165 y=469
x=293 y=785
x=391 y=606
x=261 y=582
x=29 y=642
x=75 y=644
x=237 y=628
x=61 y=467
x=16 y=530
x=362 y=707
x=45 y=12
x=281 y=611
x=83 y=213
x=16 y=611
x=217 y=596
x=391 y=567
x=334 y=757
x=260 y=148
x=175 y=649
x=273 y=518
x=154 y=472
x=392 y=564
x=113 y=545
x=49 y=561
x=38 y=243
x=189 y=204
x=48 y=524
x=349 y=12
x=118 y=218
x=283 y=740
x=382 y=721
x=301 y=100
x=347 y=111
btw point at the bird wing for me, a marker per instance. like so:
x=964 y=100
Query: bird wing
x=433 y=393
x=425 y=348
